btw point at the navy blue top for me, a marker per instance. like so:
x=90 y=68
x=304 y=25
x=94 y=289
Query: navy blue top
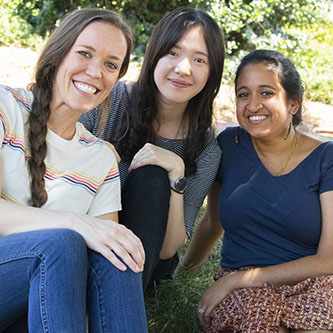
x=267 y=219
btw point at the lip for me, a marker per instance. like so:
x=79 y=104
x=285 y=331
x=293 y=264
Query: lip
x=86 y=88
x=179 y=83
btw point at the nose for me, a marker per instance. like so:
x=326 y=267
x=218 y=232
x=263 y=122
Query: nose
x=183 y=67
x=94 y=69
x=254 y=105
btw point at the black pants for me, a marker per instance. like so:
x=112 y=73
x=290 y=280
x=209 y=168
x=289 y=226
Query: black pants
x=145 y=210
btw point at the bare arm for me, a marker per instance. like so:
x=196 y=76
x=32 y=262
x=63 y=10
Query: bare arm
x=105 y=237
x=287 y=273
x=208 y=231
x=175 y=234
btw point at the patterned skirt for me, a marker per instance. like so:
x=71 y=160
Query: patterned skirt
x=306 y=305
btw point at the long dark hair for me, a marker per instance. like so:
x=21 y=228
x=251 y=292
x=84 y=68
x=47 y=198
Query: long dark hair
x=144 y=97
x=57 y=47
x=287 y=73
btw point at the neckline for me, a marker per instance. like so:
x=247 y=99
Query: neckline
x=293 y=170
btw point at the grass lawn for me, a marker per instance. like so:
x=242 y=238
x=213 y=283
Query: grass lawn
x=172 y=304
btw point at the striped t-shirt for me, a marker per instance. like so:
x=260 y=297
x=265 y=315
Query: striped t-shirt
x=81 y=174
x=207 y=163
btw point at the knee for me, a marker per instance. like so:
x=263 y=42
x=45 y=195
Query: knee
x=152 y=178
x=103 y=271
x=62 y=245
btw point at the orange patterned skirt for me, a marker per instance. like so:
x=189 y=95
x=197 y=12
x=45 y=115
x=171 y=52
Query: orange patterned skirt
x=306 y=305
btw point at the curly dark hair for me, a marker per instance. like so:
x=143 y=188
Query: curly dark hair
x=57 y=47
x=144 y=95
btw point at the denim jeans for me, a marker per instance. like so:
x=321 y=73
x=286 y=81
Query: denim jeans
x=115 y=298
x=146 y=201
x=46 y=273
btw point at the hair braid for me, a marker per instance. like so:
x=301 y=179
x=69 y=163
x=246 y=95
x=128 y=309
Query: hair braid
x=38 y=118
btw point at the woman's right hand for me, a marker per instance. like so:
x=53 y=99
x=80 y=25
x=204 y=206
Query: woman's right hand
x=112 y=240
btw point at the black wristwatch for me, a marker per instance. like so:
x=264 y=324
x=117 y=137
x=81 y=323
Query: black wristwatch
x=178 y=185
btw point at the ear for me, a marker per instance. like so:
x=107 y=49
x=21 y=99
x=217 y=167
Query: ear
x=293 y=106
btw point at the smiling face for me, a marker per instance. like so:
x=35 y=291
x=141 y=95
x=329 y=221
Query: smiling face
x=183 y=72
x=262 y=107
x=90 y=69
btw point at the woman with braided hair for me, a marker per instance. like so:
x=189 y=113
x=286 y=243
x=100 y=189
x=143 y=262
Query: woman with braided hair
x=61 y=248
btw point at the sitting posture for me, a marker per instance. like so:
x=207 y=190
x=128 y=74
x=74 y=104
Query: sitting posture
x=273 y=198
x=60 y=191
x=161 y=127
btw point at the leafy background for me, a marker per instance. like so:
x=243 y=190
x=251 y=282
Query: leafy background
x=301 y=29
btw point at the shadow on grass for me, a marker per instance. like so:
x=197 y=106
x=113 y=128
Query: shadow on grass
x=172 y=304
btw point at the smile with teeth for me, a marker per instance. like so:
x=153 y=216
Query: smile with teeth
x=85 y=88
x=257 y=118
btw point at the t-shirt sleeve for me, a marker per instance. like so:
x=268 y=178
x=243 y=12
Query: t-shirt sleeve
x=199 y=184
x=326 y=183
x=5 y=115
x=107 y=198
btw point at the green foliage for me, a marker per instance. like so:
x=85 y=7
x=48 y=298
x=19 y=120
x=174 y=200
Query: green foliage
x=15 y=31
x=300 y=29
x=142 y=14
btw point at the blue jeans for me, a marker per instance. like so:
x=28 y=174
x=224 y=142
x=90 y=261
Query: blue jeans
x=115 y=298
x=46 y=273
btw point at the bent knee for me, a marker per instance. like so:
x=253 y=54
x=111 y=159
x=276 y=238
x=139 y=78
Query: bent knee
x=150 y=177
x=62 y=243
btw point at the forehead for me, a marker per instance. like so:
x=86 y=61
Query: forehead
x=259 y=74
x=103 y=36
x=194 y=39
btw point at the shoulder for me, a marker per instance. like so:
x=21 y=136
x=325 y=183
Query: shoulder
x=15 y=105
x=232 y=134
x=122 y=90
x=12 y=97
x=100 y=148
x=212 y=151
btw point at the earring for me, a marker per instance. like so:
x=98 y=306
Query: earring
x=285 y=138
x=236 y=137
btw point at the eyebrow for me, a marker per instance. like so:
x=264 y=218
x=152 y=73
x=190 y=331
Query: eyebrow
x=93 y=49
x=196 y=52
x=261 y=86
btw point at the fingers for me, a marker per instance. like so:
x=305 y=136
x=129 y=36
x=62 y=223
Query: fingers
x=153 y=155
x=146 y=155
x=129 y=248
x=204 y=314
x=114 y=241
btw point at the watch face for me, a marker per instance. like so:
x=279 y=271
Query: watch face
x=181 y=183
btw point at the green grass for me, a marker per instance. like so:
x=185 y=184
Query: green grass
x=172 y=304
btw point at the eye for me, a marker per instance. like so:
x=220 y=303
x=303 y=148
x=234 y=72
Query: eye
x=200 y=60
x=172 y=53
x=243 y=95
x=267 y=93
x=111 y=65
x=84 y=54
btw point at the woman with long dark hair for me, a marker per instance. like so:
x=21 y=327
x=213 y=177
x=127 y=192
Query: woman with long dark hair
x=161 y=126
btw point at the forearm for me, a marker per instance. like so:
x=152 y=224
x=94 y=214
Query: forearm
x=288 y=273
x=202 y=243
x=17 y=218
x=175 y=236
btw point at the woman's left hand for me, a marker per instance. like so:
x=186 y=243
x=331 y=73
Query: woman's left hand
x=151 y=154
x=217 y=291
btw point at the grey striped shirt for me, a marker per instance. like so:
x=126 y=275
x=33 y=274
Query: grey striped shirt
x=207 y=163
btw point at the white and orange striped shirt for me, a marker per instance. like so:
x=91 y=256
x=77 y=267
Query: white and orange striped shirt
x=81 y=174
